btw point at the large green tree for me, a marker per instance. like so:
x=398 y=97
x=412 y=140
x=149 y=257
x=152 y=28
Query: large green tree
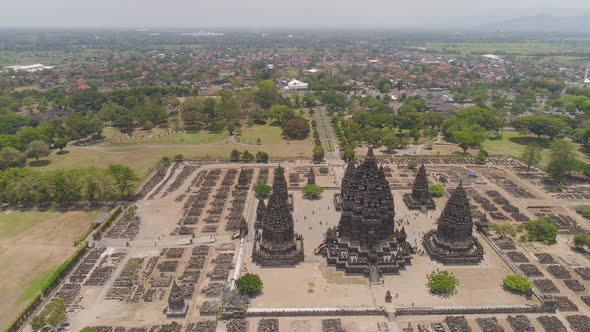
x=562 y=159
x=38 y=149
x=541 y=125
x=124 y=177
x=267 y=94
x=531 y=155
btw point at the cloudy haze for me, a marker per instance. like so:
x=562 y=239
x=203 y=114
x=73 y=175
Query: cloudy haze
x=276 y=13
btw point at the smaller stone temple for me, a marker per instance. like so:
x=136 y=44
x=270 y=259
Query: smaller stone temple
x=419 y=198
x=275 y=242
x=452 y=242
x=176 y=305
x=311 y=176
x=243 y=180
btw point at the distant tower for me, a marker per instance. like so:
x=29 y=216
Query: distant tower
x=311 y=176
x=176 y=305
x=453 y=242
x=420 y=199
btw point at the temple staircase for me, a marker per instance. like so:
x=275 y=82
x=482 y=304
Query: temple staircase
x=373 y=274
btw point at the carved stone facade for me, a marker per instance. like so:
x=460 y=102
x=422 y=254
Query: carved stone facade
x=365 y=241
x=276 y=243
x=419 y=198
x=452 y=242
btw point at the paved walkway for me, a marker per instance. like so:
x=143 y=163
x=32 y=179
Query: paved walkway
x=331 y=157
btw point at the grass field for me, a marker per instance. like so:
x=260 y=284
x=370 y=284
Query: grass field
x=32 y=245
x=513 y=144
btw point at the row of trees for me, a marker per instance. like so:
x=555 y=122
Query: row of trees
x=23 y=186
x=247 y=156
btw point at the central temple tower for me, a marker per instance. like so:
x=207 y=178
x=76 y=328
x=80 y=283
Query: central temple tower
x=365 y=241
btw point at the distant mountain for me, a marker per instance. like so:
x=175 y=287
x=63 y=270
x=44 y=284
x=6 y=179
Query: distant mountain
x=542 y=23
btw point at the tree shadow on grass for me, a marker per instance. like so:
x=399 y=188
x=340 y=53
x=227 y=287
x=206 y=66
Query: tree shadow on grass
x=527 y=140
x=62 y=152
x=39 y=163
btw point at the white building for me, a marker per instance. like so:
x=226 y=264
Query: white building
x=492 y=57
x=296 y=85
x=30 y=68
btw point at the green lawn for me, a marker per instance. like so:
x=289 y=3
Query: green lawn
x=268 y=135
x=14 y=223
x=513 y=144
x=34 y=286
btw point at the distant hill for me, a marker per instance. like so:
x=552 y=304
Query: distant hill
x=542 y=23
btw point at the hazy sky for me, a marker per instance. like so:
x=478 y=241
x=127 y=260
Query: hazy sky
x=275 y=13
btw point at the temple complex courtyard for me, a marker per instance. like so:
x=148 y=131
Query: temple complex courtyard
x=194 y=227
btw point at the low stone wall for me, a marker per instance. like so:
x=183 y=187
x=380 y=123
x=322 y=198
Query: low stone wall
x=306 y=312
x=527 y=309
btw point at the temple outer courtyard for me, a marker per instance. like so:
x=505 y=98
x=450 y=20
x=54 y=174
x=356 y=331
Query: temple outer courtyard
x=162 y=207
x=288 y=287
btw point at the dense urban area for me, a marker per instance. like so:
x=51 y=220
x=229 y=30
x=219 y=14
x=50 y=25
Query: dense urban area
x=179 y=181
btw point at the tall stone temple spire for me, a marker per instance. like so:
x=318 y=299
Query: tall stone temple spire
x=275 y=241
x=176 y=305
x=420 y=199
x=453 y=241
x=365 y=241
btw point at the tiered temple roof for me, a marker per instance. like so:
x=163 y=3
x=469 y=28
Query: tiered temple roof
x=365 y=241
x=419 y=199
x=276 y=242
x=453 y=241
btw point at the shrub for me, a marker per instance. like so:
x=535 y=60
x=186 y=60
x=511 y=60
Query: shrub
x=518 y=284
x=235 y=155
x=249 y=284
x=436 y=190
x=582 y=241
x=178 y=157
x=261 y=157
x=312 y=191
x=262 y=189
x=503 y=229
x=442 y=282
x=542 y=229
x=584 y=210
x=318 y=153
x=412 y=165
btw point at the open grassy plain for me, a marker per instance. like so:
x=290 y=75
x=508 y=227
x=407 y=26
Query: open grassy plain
x=32 y=245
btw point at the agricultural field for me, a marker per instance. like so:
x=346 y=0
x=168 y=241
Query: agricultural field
x=516 y=48
x=32 y=245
